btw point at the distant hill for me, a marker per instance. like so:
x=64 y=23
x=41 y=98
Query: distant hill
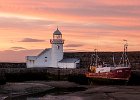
x=85 y=57
x=12 y=65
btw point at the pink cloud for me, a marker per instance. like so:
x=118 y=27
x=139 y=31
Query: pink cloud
x=107 y=21
x=31 y=40
x=16 y=56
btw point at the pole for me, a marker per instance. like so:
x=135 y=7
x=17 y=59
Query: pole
x=125 y=53
x=96 y=58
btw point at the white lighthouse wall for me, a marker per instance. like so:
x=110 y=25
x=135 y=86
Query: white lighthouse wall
x=30 y=60
x=43 y=60
x=68 y=64
x=30 y=63
x=57 y=54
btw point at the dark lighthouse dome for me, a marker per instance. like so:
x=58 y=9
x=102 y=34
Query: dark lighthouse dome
x=57 y=32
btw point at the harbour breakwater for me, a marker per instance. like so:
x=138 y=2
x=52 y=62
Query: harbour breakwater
x=2 y=77
x=54 y=74
x=47 y=74
x=12 y=65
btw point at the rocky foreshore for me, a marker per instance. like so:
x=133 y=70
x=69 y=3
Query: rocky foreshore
x=99 y=93
x=10 y=90
x=110 y=92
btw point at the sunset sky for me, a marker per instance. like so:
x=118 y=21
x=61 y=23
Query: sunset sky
x=27 y=25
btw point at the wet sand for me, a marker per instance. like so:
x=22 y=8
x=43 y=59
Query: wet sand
x=92 y=92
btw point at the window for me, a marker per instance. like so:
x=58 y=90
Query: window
x=57 y=37
x=46 y=59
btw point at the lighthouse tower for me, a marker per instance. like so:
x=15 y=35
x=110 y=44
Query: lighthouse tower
x=57 y=48
x=53 y=57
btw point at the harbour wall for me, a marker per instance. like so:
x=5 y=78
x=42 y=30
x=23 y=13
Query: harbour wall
x=47 y=74
x=56 y=74
x=12 y=65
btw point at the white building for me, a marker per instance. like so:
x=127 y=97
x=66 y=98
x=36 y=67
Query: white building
x=53 y=57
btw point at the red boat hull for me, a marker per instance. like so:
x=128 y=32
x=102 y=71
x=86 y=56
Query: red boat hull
x=117 y=74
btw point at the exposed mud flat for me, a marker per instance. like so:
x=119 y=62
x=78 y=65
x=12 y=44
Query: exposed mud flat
x=110 y=92
x=10 y=90
x=97 y=93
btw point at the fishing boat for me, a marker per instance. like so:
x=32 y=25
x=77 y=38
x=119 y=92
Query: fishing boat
x=116 y=73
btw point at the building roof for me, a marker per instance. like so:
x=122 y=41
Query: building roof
x=69 y=60
x=57 y=32
x=44 y=51
x=31 y=57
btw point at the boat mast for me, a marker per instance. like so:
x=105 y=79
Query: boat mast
x=114 y=64
x=91 y=63
x=124 y=58
x=125 y=53
x=94 y=62
x=96 y=58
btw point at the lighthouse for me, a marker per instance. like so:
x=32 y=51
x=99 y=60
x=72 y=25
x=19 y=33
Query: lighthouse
x=53 y=57
x=57 y=48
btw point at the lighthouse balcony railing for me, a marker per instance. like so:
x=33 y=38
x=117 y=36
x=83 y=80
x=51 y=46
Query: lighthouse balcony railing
x=56 y=41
